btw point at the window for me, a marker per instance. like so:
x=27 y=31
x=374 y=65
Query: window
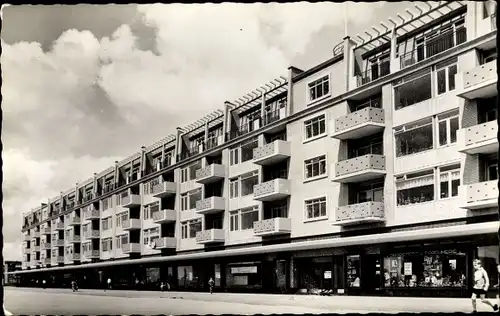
x=373 y=192
x=247 y=150
x=234 y=191
x=118 y=221
x=193 y=168
x=315 y=167
x=448 y=126
x=315 y=126
x=184 y=202
x=319 y=88
x=194 y=227
x=247 y=183
x=107 y=244
x=119 y=198
x=415 y=188
x=449 y=180
x=414 y=138
x=184 y=230
x=248 y=217
x=107 y=223
x=413 y=89
x=316 y=208
x=189 y=199
x=445 y=76
x=234 y=220
x=184 y=175
x=106 y=203
x=234 y=155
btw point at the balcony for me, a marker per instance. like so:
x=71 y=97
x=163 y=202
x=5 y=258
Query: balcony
x=166 y=243
x=211 y=205
x=273 y=226
x=35 y=248
x=480 y=82
x=58 y=225
x=131 y=224
x=131 y=200
x=361 y=213
x=164 y=216
x=479 y=195
x=479 y=139
x=27 y=237
x=211 y=173
x=57 y=259
x=273 y=190
x=210 y=236
x=94 y=234
x=73 y=257
x=271 y=153
x=46 y=245
x=359 y=169
x=91 y=214
x=74 y=239
x=34 y=263
x=74 y=220
x=131 y=248
x=164 y=189
x=46 y=261
x=57 y=243
x=91 y=254
x=36 y=234
x=364 y=122
x=26 y=251
x=46 y=230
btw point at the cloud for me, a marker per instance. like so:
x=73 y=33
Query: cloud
x=70 y=109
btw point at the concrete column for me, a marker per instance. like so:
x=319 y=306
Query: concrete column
x=178 y=144
x=77 y=193
x=263 y=109
x=142 y=168
x=395 y=61
x=226 y=125
x=292 y=72
x=348 y=64
x=388 y=142
x=471 y=18
x=117 y=173
x=94 y=189
x=206 y=136
x=162 y=154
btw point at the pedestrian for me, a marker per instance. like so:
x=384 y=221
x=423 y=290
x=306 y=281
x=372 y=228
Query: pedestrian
x=109 y=284
x=43 y=282
x=480 y=288
x=211 y=285
x=496 y=286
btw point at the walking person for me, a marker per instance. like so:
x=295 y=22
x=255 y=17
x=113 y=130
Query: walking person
x=108 y=285
x=211 y=284
x=496 y=287
x=44 y=283
x=481 y=285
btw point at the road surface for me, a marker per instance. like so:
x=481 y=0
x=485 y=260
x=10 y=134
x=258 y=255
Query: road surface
x=32 y=301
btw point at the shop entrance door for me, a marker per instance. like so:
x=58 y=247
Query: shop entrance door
x=372 y=274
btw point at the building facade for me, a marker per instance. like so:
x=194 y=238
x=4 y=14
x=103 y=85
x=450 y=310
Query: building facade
x=379 y=181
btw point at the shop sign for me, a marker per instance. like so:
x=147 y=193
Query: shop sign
x=408 y=268
x=243 y=270
x=217 y=275
x=328 y=274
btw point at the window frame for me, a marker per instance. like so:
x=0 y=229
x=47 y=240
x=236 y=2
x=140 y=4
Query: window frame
x=446 y=69
x=234 y=188
x=184 y=230
x=318 y=78
x=413 y=126
x=321 y=118
x=450 y=173
x=320 y=175
x=404 y=178
x=447 y=118
x=234 y=221
x=320 y=200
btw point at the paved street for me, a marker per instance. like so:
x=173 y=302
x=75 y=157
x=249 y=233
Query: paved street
x=91 y=302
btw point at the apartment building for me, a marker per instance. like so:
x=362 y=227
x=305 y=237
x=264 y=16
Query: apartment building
x=379 y=181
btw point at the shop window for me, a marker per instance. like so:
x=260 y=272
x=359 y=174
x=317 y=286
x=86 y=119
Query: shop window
x=413 y=89
x=353 y=271
x=414 y=138
x=448 y=126
x=315 y=127
x=186 y=277
x=415 y=188
x=449 y=181
x=246 y=275
x=441 y=269
x=315 y=167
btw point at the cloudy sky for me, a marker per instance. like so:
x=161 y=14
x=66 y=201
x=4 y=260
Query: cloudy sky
x=86 y=85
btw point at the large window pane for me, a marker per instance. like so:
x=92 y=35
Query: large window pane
x=412 y=92
x=248 y=218
x=248 y=184
x=414 y=141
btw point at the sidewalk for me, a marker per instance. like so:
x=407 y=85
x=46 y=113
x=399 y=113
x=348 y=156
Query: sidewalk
x=368 y=303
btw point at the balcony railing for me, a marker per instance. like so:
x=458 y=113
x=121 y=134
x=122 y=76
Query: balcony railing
x=164 y=216
x=210 y=174
x=374 y=73
x=210 y=236
x=164 y=189
x=273 y=226
x=74 y=238
x=479 y=195
x=46 y=245
x=359 y=169
x=74 y=220
x=130 y=200
x=91 y=254
x=361 y=213
x=433 y=47
x=73 y=257
x=479 y=139
x=244 y=129
x=480 y=82
x=88 y=197
x=46 y=230
x=166 y=243
x=276 y=189
x=274 y=116
x=57 y=243
x=272 y=153
x=131 y=248
x=91 y=214
x=57 y=259
x=131 y=223
x=46 y=261
x=361 y=123
x=211 y=205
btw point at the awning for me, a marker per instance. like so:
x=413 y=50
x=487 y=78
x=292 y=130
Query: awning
x=401 y=236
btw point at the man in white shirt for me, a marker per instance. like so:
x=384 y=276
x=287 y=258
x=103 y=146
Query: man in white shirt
x=481 y=285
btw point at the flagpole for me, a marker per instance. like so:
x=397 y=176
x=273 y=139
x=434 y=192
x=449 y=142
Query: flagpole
x=345 y=19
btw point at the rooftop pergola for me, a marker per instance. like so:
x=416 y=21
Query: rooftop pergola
x=272 y=88
x=405 y=23
x=212 y=119
x=158 y=145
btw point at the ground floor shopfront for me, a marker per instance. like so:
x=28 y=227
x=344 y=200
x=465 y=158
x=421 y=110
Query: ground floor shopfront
x=426 y=268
